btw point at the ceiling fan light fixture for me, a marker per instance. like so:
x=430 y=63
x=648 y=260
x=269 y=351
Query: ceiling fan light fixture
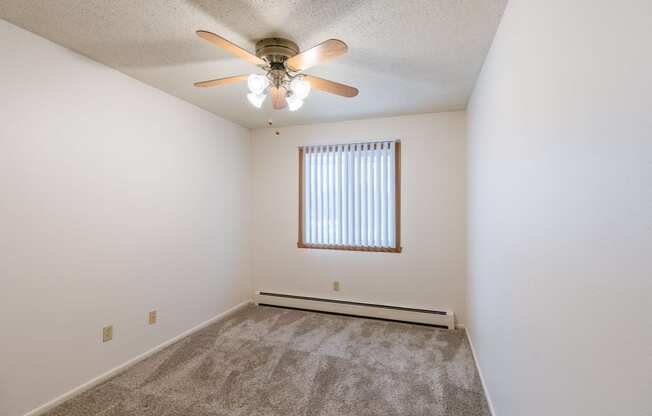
x=257 y=83
x=283 y=64
x=300 y=87
x=294 y=102
x=256 y=99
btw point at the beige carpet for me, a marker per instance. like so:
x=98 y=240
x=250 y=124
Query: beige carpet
x=270 y=361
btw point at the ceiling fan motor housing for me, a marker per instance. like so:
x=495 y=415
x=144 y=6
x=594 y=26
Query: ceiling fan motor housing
x=276 y=50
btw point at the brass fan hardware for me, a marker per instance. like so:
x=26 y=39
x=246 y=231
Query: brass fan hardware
x=283 y=64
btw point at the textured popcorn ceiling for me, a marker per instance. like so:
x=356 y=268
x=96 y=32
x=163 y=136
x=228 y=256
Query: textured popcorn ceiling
x=409 y=56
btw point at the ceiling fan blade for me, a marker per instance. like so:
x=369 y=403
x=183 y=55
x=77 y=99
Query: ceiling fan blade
x=325 y=51
x=221 y=81
x=230 y=47
x=331 y=86
x=278 y=98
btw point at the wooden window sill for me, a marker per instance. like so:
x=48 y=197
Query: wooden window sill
x=350 y=248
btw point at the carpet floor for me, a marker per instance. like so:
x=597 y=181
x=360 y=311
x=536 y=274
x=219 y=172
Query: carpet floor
x=280 y=362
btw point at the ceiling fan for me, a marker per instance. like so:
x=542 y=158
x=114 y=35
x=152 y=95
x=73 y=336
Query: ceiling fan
x=283 y=65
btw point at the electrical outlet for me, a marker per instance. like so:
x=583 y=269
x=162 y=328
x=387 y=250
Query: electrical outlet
x=152 y=317
x=107 y=333
x=336 y=286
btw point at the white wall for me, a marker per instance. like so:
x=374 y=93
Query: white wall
x=115 y=199
x=560 y=143
x=431 y=270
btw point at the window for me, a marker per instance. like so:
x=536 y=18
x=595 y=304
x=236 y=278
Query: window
x=349 y=196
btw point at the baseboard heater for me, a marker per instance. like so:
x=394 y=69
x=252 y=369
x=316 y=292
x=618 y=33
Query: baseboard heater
x=444 y=319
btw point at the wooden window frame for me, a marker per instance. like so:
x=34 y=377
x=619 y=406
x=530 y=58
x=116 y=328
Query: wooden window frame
x=397 y=212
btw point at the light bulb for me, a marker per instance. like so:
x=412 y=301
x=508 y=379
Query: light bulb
x=294 y=102
x=256 y=99
x=257 y=83
x=300 y=87
x=294 y=106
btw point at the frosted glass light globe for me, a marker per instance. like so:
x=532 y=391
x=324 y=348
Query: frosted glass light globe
x=257 y=83
x=300 y=87
x=294 y=102
x=256 y=99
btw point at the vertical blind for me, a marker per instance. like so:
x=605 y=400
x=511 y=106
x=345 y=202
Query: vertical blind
x=349 y=195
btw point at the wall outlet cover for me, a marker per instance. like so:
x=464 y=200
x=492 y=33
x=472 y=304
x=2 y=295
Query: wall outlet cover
x=336 y=286
x=152 y=317
x=107 y=333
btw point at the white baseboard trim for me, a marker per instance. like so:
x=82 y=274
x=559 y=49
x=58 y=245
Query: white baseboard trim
x=477 y=365
x=105 y=376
